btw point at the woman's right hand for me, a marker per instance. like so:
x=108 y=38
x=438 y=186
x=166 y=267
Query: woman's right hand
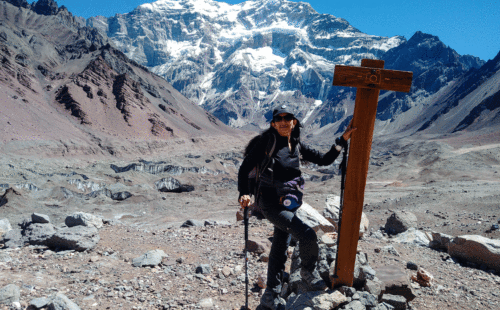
x=244 y=201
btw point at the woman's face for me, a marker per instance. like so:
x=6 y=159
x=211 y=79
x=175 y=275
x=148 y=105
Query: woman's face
x=284 y=124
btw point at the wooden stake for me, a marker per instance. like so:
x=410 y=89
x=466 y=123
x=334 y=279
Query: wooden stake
x=369 y=81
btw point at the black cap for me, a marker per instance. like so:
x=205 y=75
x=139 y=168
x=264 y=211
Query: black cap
x=282 y=109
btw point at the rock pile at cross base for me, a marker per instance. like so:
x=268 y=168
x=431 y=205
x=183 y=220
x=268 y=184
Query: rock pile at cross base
x=200 y=265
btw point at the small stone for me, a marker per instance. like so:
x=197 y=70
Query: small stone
x=226 y=271
x=411 y=266
x=204 y=269
x=40 y=218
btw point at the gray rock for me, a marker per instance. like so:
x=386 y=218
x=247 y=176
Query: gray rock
x=206 y=303
x=384 y=306
x=318 y=300
x=83 y=219
x=347 y=291
x=39 y=303
x=151 y=258
x=193 y=223
x=9 y=294
x=361 y=260
x=391 y=250
x=204 y=269
x=78 y=238
x=120 y=195
x=14 y=239
x=61 y=302
x=374 y=286
x=398 y=302
x=367 y=299
x=38 y=234
x=314 y=219
x=4 y=226
x=40 y=218
x=170 y=184
x=355 y=305
x=413 y=236
x=395 y=281
x=400 y=221
x=367 y=273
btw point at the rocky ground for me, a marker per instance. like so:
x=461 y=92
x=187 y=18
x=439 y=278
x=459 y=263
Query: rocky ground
x=450 y=190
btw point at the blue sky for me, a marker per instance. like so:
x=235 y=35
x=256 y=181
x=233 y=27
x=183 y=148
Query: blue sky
x=468 y=26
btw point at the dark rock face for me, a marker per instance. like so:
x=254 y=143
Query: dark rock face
x=433 y=65
x=45 y=7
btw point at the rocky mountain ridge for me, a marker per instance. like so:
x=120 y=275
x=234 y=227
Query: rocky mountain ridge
x=66 y=88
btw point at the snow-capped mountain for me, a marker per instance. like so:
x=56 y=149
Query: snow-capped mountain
x=239 y=61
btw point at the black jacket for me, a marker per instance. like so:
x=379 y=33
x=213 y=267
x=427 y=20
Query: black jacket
x=285 y=162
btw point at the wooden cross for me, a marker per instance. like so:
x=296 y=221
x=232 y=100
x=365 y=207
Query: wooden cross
x=370 y=78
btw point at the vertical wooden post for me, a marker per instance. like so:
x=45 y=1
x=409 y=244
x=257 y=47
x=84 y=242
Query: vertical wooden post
x=365 y=111
x=370 y=78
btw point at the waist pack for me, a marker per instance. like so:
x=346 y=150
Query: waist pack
x=290 y=193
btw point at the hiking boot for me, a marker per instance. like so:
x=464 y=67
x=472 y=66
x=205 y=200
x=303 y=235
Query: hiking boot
x=312 y=279
x=272 y=300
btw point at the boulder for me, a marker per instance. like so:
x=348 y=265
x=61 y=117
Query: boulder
x=440 y=241
x=9 y=294
x=170 y=184
x=4 y=227
x=259 y=246
x=314 y=219
x=332 y=210
x=151 y=258
x=193 y=223
x=413 y=236
x=14 y=239
x=40 y=218
x=476 y=249
x=400 y=221
x=120 y=195
x=395 y=281
x=83 y=219
x=398 y=302
x=78 y=238
x=39 y=303
x=38 y=234
x=61 y=302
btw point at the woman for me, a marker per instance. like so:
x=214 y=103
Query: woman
x=279 y=196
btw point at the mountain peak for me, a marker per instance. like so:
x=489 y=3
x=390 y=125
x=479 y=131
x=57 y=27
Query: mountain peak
x=420 y=36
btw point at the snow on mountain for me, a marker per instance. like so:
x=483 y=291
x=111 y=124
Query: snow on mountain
x=240 y=61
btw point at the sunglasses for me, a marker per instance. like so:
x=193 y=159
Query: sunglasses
x=287 y=118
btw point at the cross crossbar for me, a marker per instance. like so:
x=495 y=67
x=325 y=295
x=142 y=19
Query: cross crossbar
x=374 y=78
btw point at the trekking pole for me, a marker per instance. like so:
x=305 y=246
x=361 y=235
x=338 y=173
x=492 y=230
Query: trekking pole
x=245 y=218
x=343 y=169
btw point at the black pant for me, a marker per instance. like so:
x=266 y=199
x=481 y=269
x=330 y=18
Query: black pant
x=286 y=223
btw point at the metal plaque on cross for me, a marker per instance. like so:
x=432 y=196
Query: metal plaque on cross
x=369 y=79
